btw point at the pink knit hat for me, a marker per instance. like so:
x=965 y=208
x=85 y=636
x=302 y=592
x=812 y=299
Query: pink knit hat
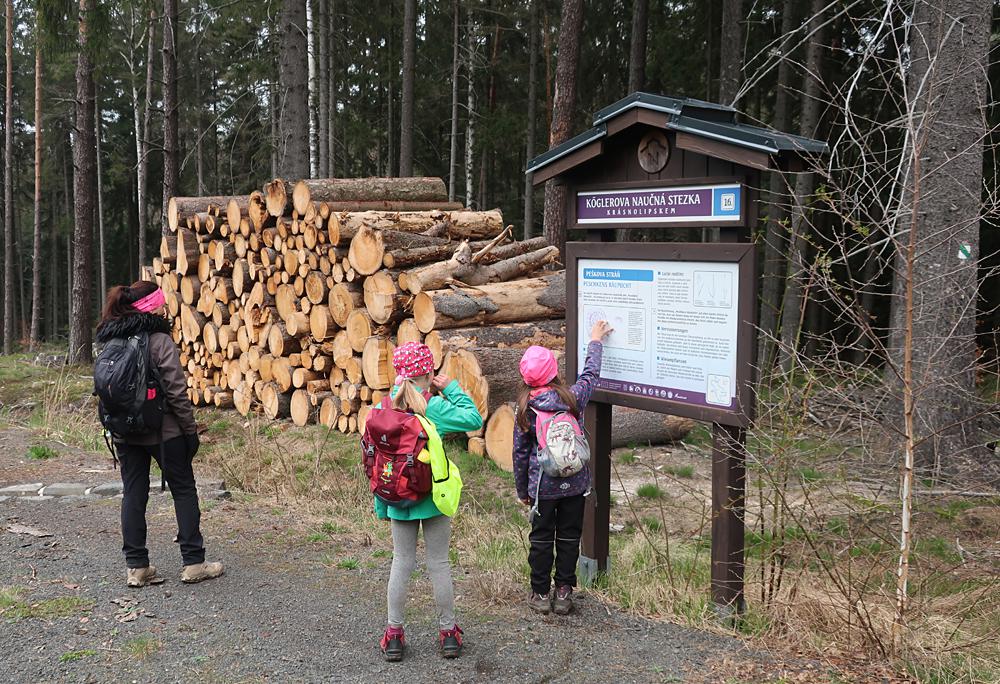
x=412 y=360
x=538 y=366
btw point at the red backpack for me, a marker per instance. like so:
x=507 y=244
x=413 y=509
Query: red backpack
x=391 y=443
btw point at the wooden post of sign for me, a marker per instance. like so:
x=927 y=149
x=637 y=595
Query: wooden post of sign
x=595 y=542
x=594 y=546
x=728 y=482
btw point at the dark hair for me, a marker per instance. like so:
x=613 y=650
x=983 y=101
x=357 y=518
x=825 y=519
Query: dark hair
x=559 y=387
x=121 y=298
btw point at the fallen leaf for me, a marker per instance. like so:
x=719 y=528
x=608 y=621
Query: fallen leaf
x=24 y=529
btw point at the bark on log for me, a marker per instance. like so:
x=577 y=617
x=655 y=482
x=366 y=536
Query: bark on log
x=410 y=189
x=187 y=252
x=631 y=427
x=550 y=334
x=511 y=302
x=342 y=226
x=179 y=209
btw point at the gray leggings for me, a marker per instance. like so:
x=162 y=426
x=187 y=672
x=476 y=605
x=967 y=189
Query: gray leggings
x=437 y=538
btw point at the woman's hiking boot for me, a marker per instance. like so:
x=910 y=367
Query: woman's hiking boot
x=563 y=602
x=451 y=642
x=140 y=577
x=392 y=644
x=199 y=572
x=540 y=603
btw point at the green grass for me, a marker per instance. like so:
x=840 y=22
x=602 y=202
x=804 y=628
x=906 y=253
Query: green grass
x=142 y=647
x=685 y=471
x=650 y=491
x=40 y=452
x=953 y=509
x=939 y=548
x=652 y=524
x=14 y=607
x=627 y=457
x=332 y=528
x=317 y=537
x=808 y=475
x=348 y=564
x=73 y=656
x=381 y=553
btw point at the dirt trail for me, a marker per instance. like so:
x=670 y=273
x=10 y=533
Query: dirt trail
x=282 y=613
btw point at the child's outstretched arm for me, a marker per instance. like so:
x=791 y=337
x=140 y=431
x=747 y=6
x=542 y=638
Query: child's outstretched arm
x=585 y=384
x=452 y=410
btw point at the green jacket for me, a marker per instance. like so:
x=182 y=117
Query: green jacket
x=452 y=410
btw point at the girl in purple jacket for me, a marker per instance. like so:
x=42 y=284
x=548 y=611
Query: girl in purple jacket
x=558 y=522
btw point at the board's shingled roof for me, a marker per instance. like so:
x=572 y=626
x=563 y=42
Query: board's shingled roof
x=697 y=117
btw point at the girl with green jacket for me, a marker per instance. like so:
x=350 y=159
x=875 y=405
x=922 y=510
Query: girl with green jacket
x=449 y=410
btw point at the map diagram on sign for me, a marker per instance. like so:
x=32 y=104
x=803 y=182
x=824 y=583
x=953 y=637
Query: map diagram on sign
x=713 y=289
x=717 y=391
x=628 y=326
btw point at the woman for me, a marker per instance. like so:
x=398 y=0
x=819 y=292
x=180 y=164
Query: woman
x=133 y=310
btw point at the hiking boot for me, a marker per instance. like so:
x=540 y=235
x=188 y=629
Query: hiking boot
x=540 y=603
x=199 y=572
x=140 y=577
x=563 y=603
x=392 y=644
x=451 y=642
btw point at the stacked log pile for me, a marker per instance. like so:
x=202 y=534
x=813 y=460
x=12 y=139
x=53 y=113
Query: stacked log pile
x=289 y=301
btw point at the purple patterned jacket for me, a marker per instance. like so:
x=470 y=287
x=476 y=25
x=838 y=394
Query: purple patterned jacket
x=526 y=470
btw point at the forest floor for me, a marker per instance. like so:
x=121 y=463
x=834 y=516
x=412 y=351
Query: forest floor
x=303 y=596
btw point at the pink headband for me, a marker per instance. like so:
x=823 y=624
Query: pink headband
x=151 y=302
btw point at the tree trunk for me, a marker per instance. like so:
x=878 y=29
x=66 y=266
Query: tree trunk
x=36 y=251
x=453 y=140
x=564 y=103
x=8 y=185
x=947 y=88
x=332 y=89
x=311 y=86
x=775 y=238
x=792 y=302
x=731 y=51
x=142 y=138
x=293 y=96
x=406 y=104
x=171 y=143
x=529 y=186
x=101 y=252
x=84 y=170
x=470 y=108
x=637 y=54
x=321 y=83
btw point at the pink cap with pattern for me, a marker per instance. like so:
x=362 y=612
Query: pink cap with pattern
x=412 y=360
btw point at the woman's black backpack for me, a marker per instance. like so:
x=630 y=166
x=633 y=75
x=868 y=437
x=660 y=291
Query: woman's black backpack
x=128 y=388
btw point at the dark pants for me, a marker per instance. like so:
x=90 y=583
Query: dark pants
x=177 y=471
x=557 y=525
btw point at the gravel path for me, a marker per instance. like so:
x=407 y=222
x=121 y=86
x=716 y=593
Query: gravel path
x=281 y=615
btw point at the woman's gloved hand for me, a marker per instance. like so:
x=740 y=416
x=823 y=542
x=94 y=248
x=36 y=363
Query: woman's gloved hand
x=192 y=442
